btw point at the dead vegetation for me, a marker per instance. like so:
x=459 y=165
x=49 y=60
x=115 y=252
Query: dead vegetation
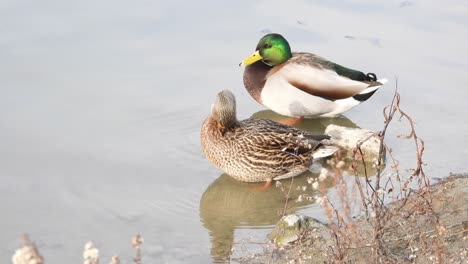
x=401 y=217
x=375 y=194
x=29 y=254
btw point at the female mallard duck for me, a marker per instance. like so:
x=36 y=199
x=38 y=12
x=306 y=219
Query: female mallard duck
x=255 y=150
x=299 y=84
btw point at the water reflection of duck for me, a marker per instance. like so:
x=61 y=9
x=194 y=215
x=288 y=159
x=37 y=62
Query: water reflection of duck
x=303 y=84
x=228 y=204
x=254 y=150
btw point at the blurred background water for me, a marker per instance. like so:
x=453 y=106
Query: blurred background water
x=101 y=105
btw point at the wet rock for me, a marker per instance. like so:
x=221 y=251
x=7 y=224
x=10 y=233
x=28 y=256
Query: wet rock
x=290 y=228
x=348 y=138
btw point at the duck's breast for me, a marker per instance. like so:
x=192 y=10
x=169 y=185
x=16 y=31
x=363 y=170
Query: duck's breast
x=298 y=90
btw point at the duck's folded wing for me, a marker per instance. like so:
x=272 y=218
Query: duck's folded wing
x=279 y=130
x=321 y=82
x=271 y=137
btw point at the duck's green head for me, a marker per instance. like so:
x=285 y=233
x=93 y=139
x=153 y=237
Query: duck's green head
x=272 y=49
x=224 y=110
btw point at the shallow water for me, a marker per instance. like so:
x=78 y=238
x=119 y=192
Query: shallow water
x=101 y=106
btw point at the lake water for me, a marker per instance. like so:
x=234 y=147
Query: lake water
x=101 y=106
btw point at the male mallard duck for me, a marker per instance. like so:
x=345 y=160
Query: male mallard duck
x=255 y=150
x=299 y=84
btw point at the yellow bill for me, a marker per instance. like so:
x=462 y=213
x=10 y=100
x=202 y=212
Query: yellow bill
x=251 y=59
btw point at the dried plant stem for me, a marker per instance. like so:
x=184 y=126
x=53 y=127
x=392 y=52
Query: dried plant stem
x=376 y=190
x=287 y=197
x=137 y=241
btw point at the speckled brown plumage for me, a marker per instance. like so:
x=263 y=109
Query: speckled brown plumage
x=255 y=150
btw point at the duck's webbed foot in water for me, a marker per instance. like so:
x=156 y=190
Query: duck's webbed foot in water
x=264 y=187
x=291 y=121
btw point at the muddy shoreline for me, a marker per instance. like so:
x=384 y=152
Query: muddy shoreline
x=405 y=240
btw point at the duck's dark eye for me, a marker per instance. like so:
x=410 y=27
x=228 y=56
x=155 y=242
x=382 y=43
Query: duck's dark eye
x=266 y=46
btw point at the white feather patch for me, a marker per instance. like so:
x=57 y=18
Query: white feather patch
x=283 y=98
x=373 y=88
x=325 y=151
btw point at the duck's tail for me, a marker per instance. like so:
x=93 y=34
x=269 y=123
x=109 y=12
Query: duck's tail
x=325 y=151
x=369 y=91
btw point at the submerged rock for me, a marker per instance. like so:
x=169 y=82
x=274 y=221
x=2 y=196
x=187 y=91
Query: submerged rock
x=290 y=227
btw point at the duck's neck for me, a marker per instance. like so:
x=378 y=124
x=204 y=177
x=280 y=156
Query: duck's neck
x=210 y=129
x=216 y=129
x=255 y=78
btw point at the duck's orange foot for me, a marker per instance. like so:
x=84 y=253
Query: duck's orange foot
x=291 y=121
x=264 y=187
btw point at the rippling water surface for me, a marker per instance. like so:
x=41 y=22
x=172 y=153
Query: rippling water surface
x=101 y=106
